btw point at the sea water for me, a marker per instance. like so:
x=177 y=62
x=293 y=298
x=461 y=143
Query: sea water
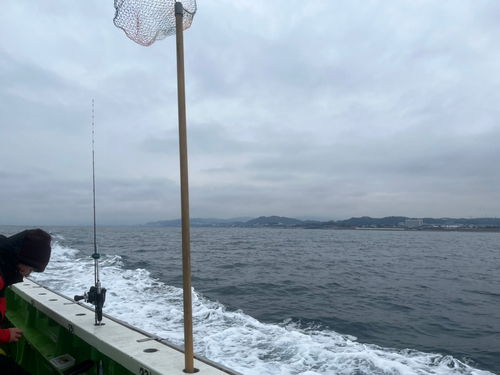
x=295 y=301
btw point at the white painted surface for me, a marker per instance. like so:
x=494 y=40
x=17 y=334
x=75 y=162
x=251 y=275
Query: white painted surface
x=115 y=340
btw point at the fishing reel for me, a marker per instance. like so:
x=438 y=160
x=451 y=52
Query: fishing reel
x=96 y=298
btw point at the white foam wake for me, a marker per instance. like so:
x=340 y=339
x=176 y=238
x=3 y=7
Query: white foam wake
x=232 y=338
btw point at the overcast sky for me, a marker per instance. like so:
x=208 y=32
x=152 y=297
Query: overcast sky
x=320 y=108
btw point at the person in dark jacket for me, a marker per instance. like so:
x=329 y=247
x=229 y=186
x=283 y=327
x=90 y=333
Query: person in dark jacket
x=20 y=254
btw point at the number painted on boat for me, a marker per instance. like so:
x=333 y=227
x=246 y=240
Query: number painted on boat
x=71 y=329
x=144 y=371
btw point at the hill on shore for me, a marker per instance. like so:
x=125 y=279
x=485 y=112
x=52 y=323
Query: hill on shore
x=364 y=221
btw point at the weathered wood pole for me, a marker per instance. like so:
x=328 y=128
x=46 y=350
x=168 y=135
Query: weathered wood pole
x=186 y=241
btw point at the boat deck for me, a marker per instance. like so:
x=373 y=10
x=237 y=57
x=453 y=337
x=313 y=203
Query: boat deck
x=55 y=325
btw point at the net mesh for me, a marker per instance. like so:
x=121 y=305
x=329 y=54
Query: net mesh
x=146 y=21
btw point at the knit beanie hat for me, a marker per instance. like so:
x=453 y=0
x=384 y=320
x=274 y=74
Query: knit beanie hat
x=35 y=250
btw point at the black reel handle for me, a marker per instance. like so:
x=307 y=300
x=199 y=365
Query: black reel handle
x=96 y=299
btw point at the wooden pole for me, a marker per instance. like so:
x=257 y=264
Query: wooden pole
x=186 y=242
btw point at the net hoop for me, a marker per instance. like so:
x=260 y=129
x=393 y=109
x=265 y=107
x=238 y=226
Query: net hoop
x=146 y=21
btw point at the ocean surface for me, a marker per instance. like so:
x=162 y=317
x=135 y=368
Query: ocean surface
x=295 y=301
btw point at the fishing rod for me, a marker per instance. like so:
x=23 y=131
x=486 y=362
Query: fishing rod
x=96 y=295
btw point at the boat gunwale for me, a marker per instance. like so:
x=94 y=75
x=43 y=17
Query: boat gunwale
x=149 y=336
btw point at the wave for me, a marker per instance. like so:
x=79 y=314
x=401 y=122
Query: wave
x=233 y=338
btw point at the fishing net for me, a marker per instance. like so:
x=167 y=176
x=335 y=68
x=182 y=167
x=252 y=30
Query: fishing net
x=146 y=21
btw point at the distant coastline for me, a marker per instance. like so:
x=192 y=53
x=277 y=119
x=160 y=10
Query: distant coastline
x=399 y=223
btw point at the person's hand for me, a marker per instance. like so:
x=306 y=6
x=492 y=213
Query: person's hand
x=15 y=334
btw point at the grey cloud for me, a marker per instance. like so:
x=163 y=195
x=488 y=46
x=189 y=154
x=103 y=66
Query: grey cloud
x=309 y=108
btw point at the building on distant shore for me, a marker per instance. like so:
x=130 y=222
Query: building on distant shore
x=413 y=223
